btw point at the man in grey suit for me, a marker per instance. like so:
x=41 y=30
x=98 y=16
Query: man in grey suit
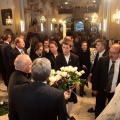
x=37 y=100
x=106 y=79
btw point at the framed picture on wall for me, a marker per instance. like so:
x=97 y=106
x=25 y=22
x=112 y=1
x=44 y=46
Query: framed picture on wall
x=6 y=14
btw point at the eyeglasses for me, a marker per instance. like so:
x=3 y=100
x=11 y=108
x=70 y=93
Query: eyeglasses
x=113 y=53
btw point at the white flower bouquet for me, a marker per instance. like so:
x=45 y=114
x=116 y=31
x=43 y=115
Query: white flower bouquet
x=66 y=77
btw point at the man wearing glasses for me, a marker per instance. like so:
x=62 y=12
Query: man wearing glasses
x=106 y=77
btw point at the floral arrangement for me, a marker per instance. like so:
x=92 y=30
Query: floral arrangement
x=66 y=77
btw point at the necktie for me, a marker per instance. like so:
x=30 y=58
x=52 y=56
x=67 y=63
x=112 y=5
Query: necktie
x=110 y=77
x=97 y=56
x=22 y=52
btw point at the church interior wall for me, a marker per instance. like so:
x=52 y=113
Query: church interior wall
x=112 y=28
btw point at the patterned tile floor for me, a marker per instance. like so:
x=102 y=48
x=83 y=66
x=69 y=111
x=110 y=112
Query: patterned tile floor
x=79 y=110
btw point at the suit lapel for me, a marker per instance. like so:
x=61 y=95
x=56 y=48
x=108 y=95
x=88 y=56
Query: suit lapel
x=106 y=67
x=70 y=60
x=118 y=81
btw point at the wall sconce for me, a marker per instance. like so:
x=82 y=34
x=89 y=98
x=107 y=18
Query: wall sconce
x=42 y=21
x=53 y=24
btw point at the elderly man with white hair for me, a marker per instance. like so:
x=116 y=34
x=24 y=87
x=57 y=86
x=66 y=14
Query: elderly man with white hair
x=20 y=75
x=37 y=100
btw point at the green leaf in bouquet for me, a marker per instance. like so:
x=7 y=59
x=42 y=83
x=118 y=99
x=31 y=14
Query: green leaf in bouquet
x=83 y=82
x=4 y=108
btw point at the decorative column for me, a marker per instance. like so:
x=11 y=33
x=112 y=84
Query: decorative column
x=64 y=29
x=106 y=24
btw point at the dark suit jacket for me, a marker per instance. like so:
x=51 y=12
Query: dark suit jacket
x=100 y=76
x=15 y=52
x=96 y=60
x=37 y=101
x=17 y=78
x=60 y=61
x=52 y=59
x=5 y=50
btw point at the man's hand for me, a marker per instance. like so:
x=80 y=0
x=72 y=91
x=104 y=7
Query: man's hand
x=67 y=94
x=89 y=77
x=95 y=92
x=84 y=67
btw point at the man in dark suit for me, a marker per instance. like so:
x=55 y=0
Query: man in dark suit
x=19 y=49
x=5 y=50
x=101 y=46
x=20 y=75
x=37 y=100
x=101 y=78
x=65 y=59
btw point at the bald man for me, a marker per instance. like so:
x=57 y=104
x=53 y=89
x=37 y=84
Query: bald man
x=19 y=49
x=102 y=79
x=22 y=69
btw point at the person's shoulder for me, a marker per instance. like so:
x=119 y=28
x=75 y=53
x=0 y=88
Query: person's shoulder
x=19 y=88
x=55 y=91
x=104 y=59
x=105 y=53
x=60 y=55
x=73 y=55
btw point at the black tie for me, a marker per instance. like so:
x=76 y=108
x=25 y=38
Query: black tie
x=110 y=77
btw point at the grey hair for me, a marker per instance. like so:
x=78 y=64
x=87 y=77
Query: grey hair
x=40 y=69
x=20 y=61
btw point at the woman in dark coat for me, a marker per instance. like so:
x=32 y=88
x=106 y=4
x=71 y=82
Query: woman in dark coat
x=84 y=62
x=53 y=53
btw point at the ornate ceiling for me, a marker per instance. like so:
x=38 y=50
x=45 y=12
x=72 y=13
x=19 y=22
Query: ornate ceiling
x=72 y=3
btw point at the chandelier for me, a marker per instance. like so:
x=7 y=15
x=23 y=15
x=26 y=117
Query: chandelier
x=116 y=16
x=9 y=21
x=43 y=19
x=94 y=18
x=53 y=20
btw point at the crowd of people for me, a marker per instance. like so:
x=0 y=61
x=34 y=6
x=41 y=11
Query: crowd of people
x=26 y=67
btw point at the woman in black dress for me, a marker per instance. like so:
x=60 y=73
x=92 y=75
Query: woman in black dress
x=84 y=62
x=38 y=52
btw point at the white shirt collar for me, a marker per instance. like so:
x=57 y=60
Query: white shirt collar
x=19 y=49
x=101 y=53
x=6 y=42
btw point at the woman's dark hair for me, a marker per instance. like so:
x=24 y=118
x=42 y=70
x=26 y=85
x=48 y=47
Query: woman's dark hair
x=53 y=42
x=38 y=45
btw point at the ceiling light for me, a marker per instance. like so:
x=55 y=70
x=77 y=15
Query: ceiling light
x=66 y=3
